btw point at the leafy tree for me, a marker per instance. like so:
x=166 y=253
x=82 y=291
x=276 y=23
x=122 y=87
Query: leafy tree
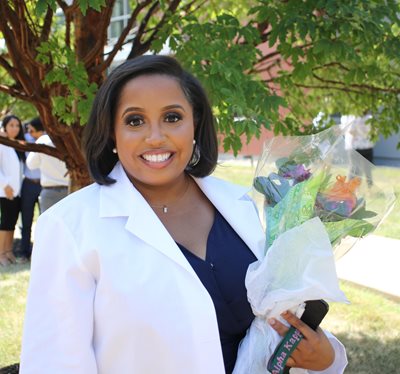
x=254 y=57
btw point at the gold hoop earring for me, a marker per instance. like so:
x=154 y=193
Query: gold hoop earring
x=195 y=156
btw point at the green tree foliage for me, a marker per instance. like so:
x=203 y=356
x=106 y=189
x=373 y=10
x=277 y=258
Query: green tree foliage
x=270 y=63
x=343 y=57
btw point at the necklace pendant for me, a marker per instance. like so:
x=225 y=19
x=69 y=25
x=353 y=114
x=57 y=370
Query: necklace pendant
x=165 y=209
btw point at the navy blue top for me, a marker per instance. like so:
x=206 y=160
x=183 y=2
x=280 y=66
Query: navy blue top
x=222 y=274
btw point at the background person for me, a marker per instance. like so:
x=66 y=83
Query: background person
x=357 y=137
x=144 y=270
x=29 y=193
x=11 y=166
x=53 y=175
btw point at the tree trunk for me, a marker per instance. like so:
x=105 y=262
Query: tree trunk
x=90 y=38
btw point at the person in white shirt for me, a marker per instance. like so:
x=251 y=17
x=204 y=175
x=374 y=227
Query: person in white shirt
x=11 y=165
x=30 y=192
x=357 y=137
x=53 y=175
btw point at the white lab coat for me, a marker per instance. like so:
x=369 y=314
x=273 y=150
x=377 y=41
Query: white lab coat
x=10 y=170
x=111 y=292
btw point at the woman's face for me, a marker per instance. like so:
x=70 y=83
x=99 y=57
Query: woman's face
x=154 y=130
x=12 y=128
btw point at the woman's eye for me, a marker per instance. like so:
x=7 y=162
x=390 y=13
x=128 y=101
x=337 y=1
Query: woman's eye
x=134 y=121
x=173 y=117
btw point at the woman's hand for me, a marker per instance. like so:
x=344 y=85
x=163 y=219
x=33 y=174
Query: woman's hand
x=9 y=192
x=314 y=352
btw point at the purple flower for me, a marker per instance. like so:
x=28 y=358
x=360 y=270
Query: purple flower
x=297 y=172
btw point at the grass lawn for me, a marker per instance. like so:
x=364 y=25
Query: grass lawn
x=369 y=327
x=13 y=288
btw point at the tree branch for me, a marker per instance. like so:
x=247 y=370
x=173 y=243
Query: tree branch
x=361 y=86
x=31 y=147
x=136 y=43
x=15 y=93
x=334 y=63
x=27 y=41
x=259 y=69
x=46 y=29
x=122 y=37
x=10 y=70
x=97 y=50
x=62 y=4
x=144 y=47
x=12 y=39
x=327 y=87
x=68 y=11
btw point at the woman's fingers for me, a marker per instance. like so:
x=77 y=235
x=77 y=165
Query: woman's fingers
x=307 y=331
x=313 y=352
x=279 y=327
x=282 y=329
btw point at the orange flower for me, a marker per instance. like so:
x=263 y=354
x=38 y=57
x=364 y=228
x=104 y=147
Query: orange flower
x=343 y=191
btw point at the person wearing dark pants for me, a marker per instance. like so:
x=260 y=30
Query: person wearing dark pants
x=30 y=192
x=29 y=198
x=357 y=137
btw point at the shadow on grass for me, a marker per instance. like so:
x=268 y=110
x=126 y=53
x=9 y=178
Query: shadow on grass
x=14 y=269
x=368 y=355
x=12 y=369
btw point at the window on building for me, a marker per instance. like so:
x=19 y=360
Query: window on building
x=119 y=19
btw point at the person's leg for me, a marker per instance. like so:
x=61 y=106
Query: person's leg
x=369 y=155
x=29 y=196
x=354 y=166
x=3 y=258
x=9 y=240
x=9 y=215
x=4 y=261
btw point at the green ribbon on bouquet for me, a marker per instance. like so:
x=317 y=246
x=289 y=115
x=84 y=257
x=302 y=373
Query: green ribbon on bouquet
x=298 y=206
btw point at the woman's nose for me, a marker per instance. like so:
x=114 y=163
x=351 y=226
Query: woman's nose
x=155 y=135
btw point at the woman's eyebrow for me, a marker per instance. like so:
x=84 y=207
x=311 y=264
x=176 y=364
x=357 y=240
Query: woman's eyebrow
x=132 y=109
x=174 y=106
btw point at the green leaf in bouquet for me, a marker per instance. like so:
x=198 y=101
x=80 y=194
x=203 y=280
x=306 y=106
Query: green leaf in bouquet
x=280 y=162
x=327 y=215
x=294 y=209
x=353 y=227
x=361 y=213
x=306 y=156
x=274 y=187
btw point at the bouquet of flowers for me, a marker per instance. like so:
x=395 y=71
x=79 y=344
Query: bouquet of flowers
x=317 y=202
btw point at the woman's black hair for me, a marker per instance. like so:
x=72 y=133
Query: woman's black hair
x=98 y=138
x=20 y=136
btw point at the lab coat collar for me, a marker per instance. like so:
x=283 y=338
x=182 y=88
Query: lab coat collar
x=121 y=199
x=238 y=209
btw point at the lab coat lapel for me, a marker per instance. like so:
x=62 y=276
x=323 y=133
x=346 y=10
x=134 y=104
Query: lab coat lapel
x=239 y=211
x=122 y=199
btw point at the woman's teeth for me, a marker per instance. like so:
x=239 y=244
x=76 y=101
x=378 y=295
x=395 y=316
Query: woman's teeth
x=157 y=158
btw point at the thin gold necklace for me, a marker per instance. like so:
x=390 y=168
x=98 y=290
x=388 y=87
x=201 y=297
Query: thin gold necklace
x=165 y=207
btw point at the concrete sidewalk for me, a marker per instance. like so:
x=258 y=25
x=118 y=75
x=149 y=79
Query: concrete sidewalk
x=373 y=262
